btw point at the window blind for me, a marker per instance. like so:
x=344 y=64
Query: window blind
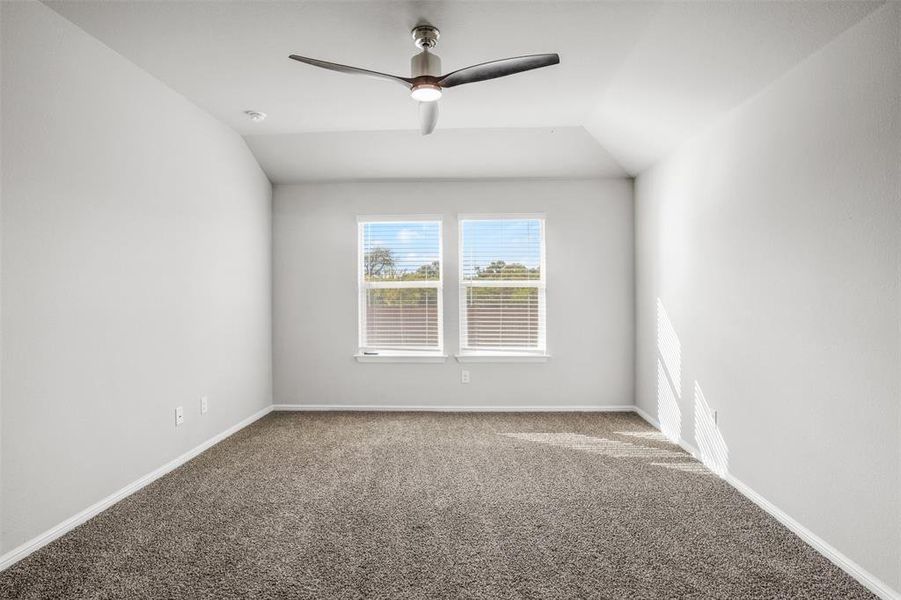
x=502 y=285
x=400 y=285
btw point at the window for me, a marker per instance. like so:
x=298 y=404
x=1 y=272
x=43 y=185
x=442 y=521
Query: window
x=502 y=286
x=400 y=286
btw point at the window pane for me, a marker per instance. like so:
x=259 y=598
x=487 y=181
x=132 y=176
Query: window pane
x=402 y=318
x=408 y=251
x=504 y=317
x=501 y=249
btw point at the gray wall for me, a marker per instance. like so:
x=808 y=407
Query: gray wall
x=772 y=244
x=136 y=244
x=590 y=310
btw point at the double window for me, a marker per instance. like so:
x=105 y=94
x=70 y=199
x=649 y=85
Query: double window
x=501 y=286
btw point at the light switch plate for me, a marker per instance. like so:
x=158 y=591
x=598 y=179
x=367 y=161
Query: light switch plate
x=179 y=416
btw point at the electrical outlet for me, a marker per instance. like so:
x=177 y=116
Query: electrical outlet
x=203 y=405
x=179 y=416
x=464 y=376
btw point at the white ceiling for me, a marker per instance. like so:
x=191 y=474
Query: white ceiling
x=640 y=77
x=534 y=152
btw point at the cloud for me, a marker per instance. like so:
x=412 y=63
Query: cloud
x=406 y=235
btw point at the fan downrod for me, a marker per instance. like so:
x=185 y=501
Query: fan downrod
x=425 y=36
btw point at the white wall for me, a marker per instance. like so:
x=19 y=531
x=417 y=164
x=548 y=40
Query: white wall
x=772 y=244
x=1 y=280
x=136 y=273
x=590 y=311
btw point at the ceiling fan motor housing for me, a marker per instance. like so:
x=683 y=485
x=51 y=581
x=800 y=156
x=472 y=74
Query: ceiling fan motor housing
x=425 y=64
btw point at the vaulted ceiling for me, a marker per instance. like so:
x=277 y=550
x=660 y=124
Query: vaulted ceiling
x=635 y=79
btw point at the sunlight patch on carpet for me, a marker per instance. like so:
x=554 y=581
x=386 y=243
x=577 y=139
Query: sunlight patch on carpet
x=594 y=445
x=653 y=436
x=694 y=468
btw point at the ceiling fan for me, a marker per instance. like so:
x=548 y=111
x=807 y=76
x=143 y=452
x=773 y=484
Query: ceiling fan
x=426 y=82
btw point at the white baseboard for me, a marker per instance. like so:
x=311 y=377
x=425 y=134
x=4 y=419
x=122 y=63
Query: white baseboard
x=487 y=409
x=867 y=579
x=20 y=552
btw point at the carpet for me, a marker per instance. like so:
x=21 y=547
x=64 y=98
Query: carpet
x=350 y=505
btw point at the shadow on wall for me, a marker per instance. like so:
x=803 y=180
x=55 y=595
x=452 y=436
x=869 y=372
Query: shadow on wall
x=709 y=441
x=669 y=376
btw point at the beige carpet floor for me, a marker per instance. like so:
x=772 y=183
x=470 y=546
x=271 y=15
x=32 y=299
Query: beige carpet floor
x=431 y=505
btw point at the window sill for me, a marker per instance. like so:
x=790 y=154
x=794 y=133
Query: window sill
x=501 y=357
x=400 y=357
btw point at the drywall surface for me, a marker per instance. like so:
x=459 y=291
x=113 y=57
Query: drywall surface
x=136 y=245
x=1 y=287
x=767 y=260
x=590 y=324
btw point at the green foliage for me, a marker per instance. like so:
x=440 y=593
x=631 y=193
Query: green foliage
x=486 y=296
x=380 y=265
x=498 y=269
x=424 y=272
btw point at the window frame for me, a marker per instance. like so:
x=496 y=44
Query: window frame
x=367 y=353
x=500 y=354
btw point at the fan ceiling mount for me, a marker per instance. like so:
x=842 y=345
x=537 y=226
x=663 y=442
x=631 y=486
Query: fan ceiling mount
x=426 y=83
x=425 y=36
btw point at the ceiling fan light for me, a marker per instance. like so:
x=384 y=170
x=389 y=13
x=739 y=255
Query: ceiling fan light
x=426 y=93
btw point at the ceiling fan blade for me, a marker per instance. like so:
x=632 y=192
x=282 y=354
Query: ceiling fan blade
x=352 y=70
x=498 y=68
x=428 y=117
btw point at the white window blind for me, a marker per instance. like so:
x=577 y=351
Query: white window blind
x=502 y=285
x=400 y=285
